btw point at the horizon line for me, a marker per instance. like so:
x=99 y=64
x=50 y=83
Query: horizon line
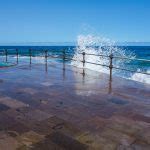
x=119 y=43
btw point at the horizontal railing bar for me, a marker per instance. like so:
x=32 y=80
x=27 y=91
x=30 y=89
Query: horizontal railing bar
x=114 y=67
x=138 y=59
x=90 y=54
x=71 y=59
x=50 y=56
x=67 y=54
x=131 y=70
x=95 y=55
x=96 y=64
x=48 y=50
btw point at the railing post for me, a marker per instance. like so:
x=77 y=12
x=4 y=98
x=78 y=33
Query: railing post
x=83 y=62
x=30 y=55
x=6 y=53
x=17 y=55
x=83 y=59
x=111 y=66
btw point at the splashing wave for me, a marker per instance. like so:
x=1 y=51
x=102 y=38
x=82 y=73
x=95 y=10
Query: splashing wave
x=141 y=77
x=99 y=46
x=96 y=45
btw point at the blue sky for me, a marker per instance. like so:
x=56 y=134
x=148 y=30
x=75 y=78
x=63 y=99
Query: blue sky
x=64 y=20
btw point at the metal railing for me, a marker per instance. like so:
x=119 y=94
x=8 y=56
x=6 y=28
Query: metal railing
x=65 y=57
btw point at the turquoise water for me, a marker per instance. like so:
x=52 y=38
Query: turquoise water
x=4 y=64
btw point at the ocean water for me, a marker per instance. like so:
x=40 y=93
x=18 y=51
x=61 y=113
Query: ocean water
x=140 y=52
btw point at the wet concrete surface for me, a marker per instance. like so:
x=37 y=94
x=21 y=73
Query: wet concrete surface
x=51 y=108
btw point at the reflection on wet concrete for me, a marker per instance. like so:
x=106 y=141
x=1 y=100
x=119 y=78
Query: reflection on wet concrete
x=83 y=75
x=110 y=87
x=65 y=109
x=46 y=67
x=64 y=70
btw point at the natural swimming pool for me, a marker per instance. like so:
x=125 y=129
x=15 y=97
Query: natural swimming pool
x=6 y=64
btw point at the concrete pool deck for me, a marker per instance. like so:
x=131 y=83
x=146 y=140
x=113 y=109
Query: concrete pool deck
x=55 y=109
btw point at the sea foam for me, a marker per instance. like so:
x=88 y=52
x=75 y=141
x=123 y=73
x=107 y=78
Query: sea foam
x=141 y=77
x=96 y=45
